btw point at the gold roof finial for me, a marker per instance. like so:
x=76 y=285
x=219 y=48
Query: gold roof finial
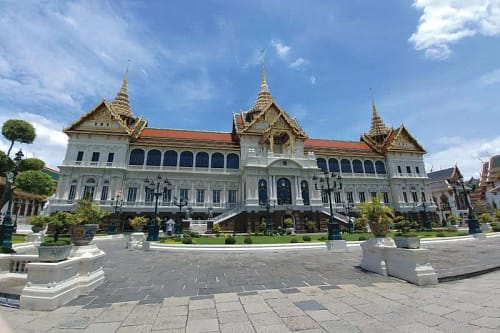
x=378 y=126
x=121 y=103
x=264 y=97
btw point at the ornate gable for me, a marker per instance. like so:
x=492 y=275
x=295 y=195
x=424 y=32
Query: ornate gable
x=401 y=140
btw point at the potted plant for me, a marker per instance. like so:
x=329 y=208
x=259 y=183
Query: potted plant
x=407 y=240
x=378 y=216
x=138 y=223
x=56 y=249
x=310 y=226
x=88 y=216
x=38 y=222
x=485 y=219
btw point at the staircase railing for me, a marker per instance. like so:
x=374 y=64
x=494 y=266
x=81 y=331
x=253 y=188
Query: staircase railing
x=227 y=215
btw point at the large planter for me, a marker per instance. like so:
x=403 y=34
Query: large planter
x=36 y=229
x=82 y=234
x=54 y=253
x=379 y=229
x=407 y=242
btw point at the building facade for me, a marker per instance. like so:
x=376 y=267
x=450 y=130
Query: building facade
x=487 y=194
x=262 y=169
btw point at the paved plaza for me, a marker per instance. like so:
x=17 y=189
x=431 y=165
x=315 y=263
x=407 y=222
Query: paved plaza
x=308 y=290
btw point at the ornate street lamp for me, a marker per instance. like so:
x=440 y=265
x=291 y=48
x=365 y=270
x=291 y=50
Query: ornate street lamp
x=347 y=208
x=333 y=182
x=154 y=228
x=179 y=203
x=427 y=223
x=116 y=204
x=210 y=212
x=472 y=221
x=7 y=228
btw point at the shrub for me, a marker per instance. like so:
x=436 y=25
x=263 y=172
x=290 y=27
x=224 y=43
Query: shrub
x=248 y=240
x=193 y=234
x=322 y=238
x=402 y=225
x=462 y=233
x=55 y=243
x=415 y=225
x=496 y=228
x=306 y=238
x=187 y=240
x=310 y=226
x=294 y=240
x=362 y=238
x=263 y=226
x=360 y=224
x=216 y=229
x=230 y=240
x=485 y=218
x=440 y=234
x=289 y=232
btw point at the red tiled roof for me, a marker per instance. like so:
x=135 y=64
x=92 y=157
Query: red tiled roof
x=336 y=144
x=185 y=134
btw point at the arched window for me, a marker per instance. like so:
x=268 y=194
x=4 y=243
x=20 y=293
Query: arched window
x=136 y=157
x=380 y=167
x=284 y=192
x=346 y=166
x=262 y=192
x=357 y=166
x=369 y=168
x=321 y=164
x=233 y=161
x=170 y=158
x=154 y=157
x=304 y=187
x=186 y=159
x=217 y=160
x=333 y=165
x=202 y=160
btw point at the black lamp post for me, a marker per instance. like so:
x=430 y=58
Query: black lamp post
x=472 y=221
x=427 y=223
x=210 y=213
x=154 y=228
x=179 y=203
x=269 y=224
x=347 y=207
x=116 y=204
x=7 y=228
x=333 y=182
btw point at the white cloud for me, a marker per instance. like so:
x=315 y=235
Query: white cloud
x=490 y=78
x=450 y=140
x=467 y=154
x=299 y=63
x=281 y=49
x=445 y=22
x=312 y=78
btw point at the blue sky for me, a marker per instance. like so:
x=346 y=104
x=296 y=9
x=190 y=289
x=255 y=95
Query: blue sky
x=431 y=65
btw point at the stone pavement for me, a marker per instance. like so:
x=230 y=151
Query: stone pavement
x=471 y=305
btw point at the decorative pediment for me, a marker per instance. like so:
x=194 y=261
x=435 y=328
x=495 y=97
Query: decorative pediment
x=402 y=140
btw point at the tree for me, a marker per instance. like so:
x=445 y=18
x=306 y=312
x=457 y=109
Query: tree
x=378 y=215
x=35 y=182
x=87 y=212
x=30 y=164
x=16 y=130
x=485 y=218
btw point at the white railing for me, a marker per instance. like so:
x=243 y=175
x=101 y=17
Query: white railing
x=338 y=216
x=226 y=215
x=16 y=263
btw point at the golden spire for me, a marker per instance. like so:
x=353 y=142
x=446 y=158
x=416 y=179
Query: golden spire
x=264 y=97
x=377 y=127
x=121 y=103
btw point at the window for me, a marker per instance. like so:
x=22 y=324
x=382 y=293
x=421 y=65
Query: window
x=373 y=195
x=170 y=158
x=186 y=159
x=88 y=191
x=423 y=197
x=136 y=157
x=408 y=169
x=362 y=197
x=284 y=191
x=216 y=196
x=201 y=160
x=345 y=166
x=132 y=194
x=149 y=195
x=104 y=193
x=111 y=157
x=304 y=187
x=154 y=157
x=79 y=156
x=333 y=165
x=380 y=167
x=167 y=195
x=321 y=164
x=414 y=196
x=369 y=168
x=95 y=156
x=217 y=161
x=399 y=169
x=405 y=197
x=337 y=197
x=385 y=196
x=184 y=194
x=357 y=166
x=233 y=161
x=231 y=195
x=262 y=192
x=417 y=170
x=72 y=192
x=200 y=195
x=350 y=197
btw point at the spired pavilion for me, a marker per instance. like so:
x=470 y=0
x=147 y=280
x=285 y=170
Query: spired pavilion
x=261 y=170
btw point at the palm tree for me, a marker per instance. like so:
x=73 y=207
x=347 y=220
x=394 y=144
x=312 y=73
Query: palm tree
x=378 y=216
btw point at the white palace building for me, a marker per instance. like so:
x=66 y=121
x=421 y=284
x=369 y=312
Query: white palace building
x=263 y=168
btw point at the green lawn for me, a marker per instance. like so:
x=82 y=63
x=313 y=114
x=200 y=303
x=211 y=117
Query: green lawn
x=314 y=238
x=17 y=238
